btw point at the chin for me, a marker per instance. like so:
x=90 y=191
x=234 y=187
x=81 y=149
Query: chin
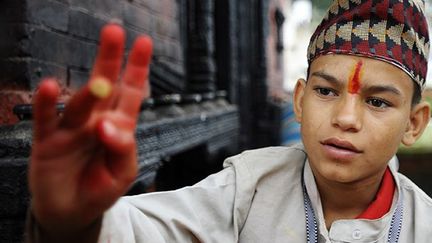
x=338 y=172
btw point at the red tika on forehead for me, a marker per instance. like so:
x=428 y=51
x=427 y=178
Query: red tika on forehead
x=354 y=82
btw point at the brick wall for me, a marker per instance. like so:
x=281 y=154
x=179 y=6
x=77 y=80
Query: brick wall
x=59 y=38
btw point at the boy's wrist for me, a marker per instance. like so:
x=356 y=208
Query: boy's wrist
x=36 y=233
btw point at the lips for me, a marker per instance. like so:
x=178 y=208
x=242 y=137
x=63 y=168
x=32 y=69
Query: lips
x=340 y=149
x=341 y=144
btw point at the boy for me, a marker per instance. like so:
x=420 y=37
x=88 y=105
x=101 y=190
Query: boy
x=367 y=67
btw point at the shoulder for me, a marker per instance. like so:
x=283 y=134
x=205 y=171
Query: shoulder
x=414 y=192
x=257 y=164
x=265 y=174
x=417 y=207
x=268 y=157
x=267 y=153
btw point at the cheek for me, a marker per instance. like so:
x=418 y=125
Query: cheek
x=312 y=118
x=313 y=124
x=385 y=136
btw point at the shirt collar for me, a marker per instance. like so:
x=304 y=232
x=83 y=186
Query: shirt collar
x=383 y=199
x=344 y=230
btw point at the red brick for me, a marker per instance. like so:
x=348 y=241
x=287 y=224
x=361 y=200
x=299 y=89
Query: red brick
x=9 y=99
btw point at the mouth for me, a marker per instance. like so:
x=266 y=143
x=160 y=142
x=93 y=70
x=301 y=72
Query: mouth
x=340 y=149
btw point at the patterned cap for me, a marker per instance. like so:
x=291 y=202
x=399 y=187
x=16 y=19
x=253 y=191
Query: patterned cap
x=394 y=31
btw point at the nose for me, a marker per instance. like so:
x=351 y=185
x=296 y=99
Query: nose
x=348 y=114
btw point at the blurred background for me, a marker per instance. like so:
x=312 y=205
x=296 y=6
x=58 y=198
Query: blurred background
x=222 y=76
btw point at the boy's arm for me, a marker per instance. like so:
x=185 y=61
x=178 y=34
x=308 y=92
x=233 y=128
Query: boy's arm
x=34 y=234
x=205 y=212
x=82 y=162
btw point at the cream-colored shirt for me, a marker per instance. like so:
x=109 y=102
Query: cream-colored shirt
x=258 y=197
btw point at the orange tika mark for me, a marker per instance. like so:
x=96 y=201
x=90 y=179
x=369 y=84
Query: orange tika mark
x=354 y=82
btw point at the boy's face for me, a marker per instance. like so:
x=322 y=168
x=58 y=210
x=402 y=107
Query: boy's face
x=354 y=113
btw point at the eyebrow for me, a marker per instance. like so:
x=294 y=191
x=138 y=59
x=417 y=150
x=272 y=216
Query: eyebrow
x=328 y=77
x=382 y=89
x=370 y=89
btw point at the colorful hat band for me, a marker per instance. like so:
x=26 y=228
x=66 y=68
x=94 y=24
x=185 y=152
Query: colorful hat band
x=394 y=31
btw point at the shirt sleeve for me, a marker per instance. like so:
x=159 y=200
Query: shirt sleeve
x=205 y=212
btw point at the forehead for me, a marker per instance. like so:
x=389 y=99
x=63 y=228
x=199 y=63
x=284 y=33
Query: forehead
x=373 y=72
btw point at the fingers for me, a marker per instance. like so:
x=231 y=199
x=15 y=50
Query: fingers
x=135 y=80
x=120 y=147
x=110 y=53
x=101 y=93
x=45 y=113
x=116 y=138
x=82 y=104
x=101 y=187
x=109 y=60
x=105 y=73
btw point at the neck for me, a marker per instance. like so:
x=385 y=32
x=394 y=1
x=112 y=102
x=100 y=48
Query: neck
x=346 y=200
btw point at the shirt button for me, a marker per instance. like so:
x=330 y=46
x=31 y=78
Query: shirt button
x=356 y=234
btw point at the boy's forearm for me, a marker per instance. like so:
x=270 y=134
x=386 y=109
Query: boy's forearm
x=37 y=234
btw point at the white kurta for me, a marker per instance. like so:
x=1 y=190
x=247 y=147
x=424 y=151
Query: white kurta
x=258 y=197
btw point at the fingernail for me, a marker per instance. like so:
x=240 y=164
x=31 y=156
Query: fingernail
x=108 y=128
x=100 y=87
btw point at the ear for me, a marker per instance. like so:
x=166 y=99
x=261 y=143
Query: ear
x=419 y=119
x=298 y=99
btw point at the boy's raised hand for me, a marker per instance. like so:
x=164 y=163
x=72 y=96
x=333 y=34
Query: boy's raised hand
x=83 y=161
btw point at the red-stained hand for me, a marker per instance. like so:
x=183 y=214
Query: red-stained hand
x=82 y=162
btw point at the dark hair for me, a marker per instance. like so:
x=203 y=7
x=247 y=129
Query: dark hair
x=417 y=95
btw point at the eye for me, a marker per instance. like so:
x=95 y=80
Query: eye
x=378 y=103
x=325 y=91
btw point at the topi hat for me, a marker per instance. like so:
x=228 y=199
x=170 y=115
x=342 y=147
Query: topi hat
x=394 y=31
